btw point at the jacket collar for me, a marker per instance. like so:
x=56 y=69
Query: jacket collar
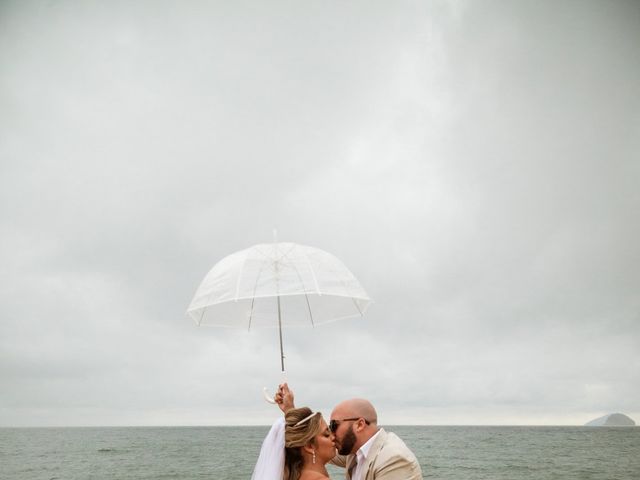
x=374 y=450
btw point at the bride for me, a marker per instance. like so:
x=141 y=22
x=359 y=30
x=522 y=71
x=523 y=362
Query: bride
x=297 y=447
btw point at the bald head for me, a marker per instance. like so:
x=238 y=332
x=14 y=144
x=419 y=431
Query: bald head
x=356 y=408
x=356 y=422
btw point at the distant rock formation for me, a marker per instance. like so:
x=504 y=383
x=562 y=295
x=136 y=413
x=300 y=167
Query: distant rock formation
x=612 y=420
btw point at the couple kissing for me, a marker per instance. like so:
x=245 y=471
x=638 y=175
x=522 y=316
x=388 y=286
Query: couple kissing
x=300 y=445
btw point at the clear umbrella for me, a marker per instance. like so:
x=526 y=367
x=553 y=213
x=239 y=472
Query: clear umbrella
x=276 y=284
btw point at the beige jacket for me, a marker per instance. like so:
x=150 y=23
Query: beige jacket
x=389 y=459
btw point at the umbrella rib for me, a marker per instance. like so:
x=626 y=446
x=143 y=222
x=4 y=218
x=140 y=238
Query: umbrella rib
x=244 y=260
x=313 y=274
x=304 y=287
x=207 y=304
x=251 y=314
x=357 y=306
x=344 y=284
x=253 y=297
x=309 y=308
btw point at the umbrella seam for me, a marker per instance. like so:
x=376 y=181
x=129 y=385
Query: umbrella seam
x=320 y=294
x=344 y=284
x=304 y=286
x=313 y=274
x=289 y=325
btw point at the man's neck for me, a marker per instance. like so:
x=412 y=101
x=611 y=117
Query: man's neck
x=369 y=434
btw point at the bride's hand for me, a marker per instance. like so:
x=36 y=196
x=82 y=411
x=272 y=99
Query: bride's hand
x=284 y=398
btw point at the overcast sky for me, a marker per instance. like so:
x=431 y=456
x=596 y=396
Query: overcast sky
x=474 y=164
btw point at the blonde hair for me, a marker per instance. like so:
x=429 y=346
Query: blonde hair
x=301 y=428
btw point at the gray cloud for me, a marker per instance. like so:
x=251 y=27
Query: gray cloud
x=474 y=166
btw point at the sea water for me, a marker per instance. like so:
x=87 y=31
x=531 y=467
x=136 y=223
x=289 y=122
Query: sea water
x=494 y=453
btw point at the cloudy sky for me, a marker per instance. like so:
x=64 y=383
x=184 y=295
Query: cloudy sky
x=474 y=164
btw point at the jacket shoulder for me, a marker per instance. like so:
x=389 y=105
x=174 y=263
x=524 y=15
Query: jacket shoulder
x=392 y=445
x=395 y=459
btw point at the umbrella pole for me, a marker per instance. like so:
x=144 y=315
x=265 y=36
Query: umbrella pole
x=280 y=331
x=268 y=397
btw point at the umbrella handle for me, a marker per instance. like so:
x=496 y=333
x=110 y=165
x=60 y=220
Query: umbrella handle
x=267 y=397
x=265 y=393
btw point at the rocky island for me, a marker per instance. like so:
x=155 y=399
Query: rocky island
x=612 y=420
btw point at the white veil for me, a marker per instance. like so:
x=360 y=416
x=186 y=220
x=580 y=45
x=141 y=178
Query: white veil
x=270 y=464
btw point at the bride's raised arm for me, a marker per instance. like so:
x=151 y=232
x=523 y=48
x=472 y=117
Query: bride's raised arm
x=284 y=398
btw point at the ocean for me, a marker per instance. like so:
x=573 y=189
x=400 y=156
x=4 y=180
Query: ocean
x=455 y=452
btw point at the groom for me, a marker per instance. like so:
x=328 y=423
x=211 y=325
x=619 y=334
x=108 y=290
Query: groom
x=365 y=450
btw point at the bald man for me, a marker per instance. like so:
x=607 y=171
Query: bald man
x=365 y=450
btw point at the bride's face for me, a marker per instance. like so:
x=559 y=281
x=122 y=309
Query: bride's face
x=325 y=443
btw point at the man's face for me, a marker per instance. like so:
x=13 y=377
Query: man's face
x=345 y=438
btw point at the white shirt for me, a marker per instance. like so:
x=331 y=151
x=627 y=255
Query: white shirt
x=361 y=455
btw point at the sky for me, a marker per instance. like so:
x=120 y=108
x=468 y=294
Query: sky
x=474 y=164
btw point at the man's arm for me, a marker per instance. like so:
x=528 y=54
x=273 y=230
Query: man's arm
x=339 y=461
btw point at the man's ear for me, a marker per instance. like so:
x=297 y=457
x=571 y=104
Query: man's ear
x=360 y=425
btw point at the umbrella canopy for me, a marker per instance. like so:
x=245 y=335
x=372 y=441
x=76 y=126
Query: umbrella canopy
x=276 y=284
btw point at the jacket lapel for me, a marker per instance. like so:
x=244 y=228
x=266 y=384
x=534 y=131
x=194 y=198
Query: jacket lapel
x=373 y=453
x=351 y=459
